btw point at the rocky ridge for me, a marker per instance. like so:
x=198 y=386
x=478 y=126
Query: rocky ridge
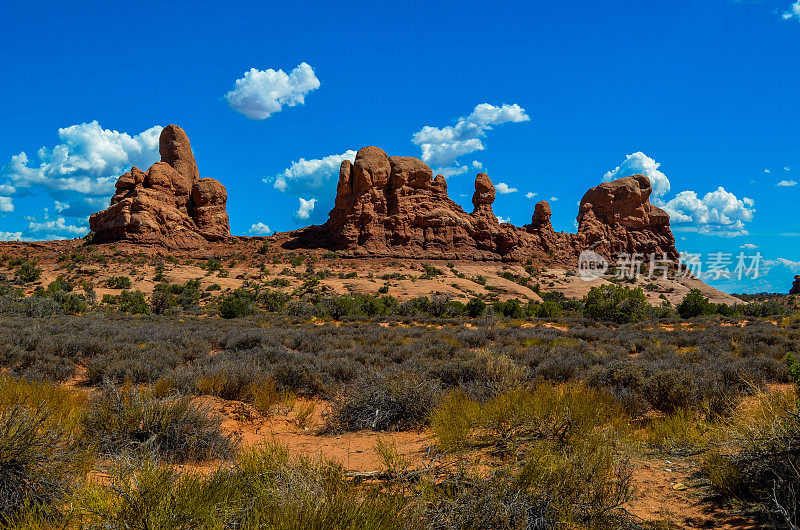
x=394 y=207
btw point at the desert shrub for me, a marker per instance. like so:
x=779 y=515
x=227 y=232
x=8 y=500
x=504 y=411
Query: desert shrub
x=382 y=403
x=763 y=471
x=166 y=296
x=614 y=303
x=494 y=502
x=240 y=303
x=564 y=439
x=561 y=415
x=40 y=460
x=765 y=309
x=266 y=488
x=172 y=428
x=549 y=309
x=133 y=302
x=142 y=363
x=119 y=282
x=475 y=307
x=28 y=272
x=694 y=304
x=587 y=483
x=681 y=432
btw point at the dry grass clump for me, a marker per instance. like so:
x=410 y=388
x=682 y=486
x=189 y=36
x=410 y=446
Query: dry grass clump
x=383 y=404
x=41 y=456
x=131 y=421
x=265 y=488
x=561 y=448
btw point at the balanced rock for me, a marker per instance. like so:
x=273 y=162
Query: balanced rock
x=168 y=204
x=796 y=285
x=617 y=218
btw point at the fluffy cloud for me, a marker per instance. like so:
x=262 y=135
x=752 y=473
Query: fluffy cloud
x=260 y=229
x=642 y=164
x=10 y=236
x=748 y=246
x=54 y=228
x=441 y=147
x=718 y=213
x=503 y=189
x=530 y=195
x=787 y=183
x=87 y=161
x=305 y=177
x=793 y=266
x=305 y=209
x=261 y=93
x=553 y=199
x=6 y=205
x=501 y=219
x=794 y=12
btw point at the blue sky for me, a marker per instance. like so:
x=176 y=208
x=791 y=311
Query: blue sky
x=548 y=98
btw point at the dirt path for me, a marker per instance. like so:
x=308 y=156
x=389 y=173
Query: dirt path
x=664 y=489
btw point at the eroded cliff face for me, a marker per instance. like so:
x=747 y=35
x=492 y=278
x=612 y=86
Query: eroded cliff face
x=795 y=285
x=394 y=206
x=169 y=204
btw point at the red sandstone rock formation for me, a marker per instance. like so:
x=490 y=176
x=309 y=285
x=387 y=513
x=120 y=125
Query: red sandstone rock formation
x=796 y=285
x=617 y=217
x=392 y=206
x=169 y=204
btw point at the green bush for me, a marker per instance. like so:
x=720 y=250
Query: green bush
x=240 y=303
x=475 y=307
x=119 y=282
x=133 y=302
x=615 y=303
x=694 y=304
x=28 y=272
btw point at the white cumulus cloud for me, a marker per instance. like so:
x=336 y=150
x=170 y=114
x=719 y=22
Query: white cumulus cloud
x=10 y=236
x=640 y=163
x=57 y=228
x=501 y=219
x=530 y=195
x=718 y=213
x=748 y=246
x=261 y=93
x=87 y=161
x=6 y=205
x=260 y=229
x=793 y=266
x=441 y=147
x=304 y=177
x=794 y=12
x=305 y=209
x=787 y=183
x=503 y=189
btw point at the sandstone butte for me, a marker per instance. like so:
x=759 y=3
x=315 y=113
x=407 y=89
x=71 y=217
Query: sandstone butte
x=795 y=285
x=385 y=207
x=169 y=204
